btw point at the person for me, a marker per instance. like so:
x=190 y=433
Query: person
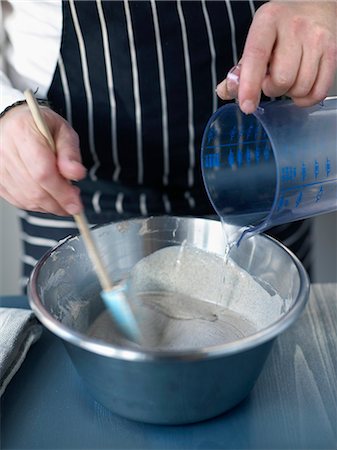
x=130 y=86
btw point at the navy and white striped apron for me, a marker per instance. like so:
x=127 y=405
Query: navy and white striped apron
x=136 y=80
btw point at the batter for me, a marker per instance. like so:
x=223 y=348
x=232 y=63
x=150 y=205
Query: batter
x=186 y=298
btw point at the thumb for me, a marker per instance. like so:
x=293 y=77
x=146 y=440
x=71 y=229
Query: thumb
x=68 y=153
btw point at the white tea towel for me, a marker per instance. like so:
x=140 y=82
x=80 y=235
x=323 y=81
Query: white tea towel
x=19 y=329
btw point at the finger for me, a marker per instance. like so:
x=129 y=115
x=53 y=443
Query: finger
x=284 y=66
x=322 y=84
x=307 y=74
x=40 y=163
x=256 y=55
x=25 y=193
x=68 y=153
x=228 y=89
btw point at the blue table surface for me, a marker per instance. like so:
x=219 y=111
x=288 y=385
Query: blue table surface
x=292 y=406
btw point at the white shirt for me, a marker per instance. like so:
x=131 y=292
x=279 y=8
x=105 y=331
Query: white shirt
x=30 y=42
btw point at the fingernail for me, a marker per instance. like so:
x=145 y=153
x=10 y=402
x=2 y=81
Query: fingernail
x=248 y=106
x=73 y=209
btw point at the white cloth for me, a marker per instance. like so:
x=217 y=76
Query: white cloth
x=31 y=34
x=19 y=329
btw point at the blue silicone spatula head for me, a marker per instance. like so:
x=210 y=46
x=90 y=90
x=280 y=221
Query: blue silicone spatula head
x=116 y=301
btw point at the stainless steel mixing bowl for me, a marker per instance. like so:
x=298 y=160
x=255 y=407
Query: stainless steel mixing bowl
x=164 y=387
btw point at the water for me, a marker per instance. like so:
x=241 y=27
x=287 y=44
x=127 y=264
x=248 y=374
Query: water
x=233 y=235
x=180 y=254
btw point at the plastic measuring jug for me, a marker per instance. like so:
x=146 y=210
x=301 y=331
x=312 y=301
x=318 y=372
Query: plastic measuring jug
x=275 y=166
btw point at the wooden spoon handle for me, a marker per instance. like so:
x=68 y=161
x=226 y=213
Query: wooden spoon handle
x=80 y=218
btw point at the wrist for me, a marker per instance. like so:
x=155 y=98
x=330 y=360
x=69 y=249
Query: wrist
x=41 y=102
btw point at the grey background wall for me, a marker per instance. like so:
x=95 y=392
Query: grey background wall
x=9 y=250
x=324 y=246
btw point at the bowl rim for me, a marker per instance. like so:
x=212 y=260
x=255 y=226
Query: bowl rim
x=102 y=348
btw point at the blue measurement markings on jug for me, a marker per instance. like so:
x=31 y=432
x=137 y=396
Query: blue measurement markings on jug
x=327 y=167
x=288 y=173
x=257 y=153
x=244 y=151
x=266 y=151
x=211 y=135
x=244 y=146
x=248 y=156
x=240 y=157
x=316 y=169
x=231 y=158
x=319 y=194
x=212 y=160
x=249 y=133
x=304 y=171
x=282 y=203
x=299 y=199
x=232 y=133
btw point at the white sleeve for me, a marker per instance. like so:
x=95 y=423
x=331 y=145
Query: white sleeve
x=8 y=94
x=30 y=32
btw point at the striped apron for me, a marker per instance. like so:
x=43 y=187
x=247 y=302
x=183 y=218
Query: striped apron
x=136 y=80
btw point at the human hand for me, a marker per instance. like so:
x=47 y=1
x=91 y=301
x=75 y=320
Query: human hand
x=32 y=177
x=291 y=49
